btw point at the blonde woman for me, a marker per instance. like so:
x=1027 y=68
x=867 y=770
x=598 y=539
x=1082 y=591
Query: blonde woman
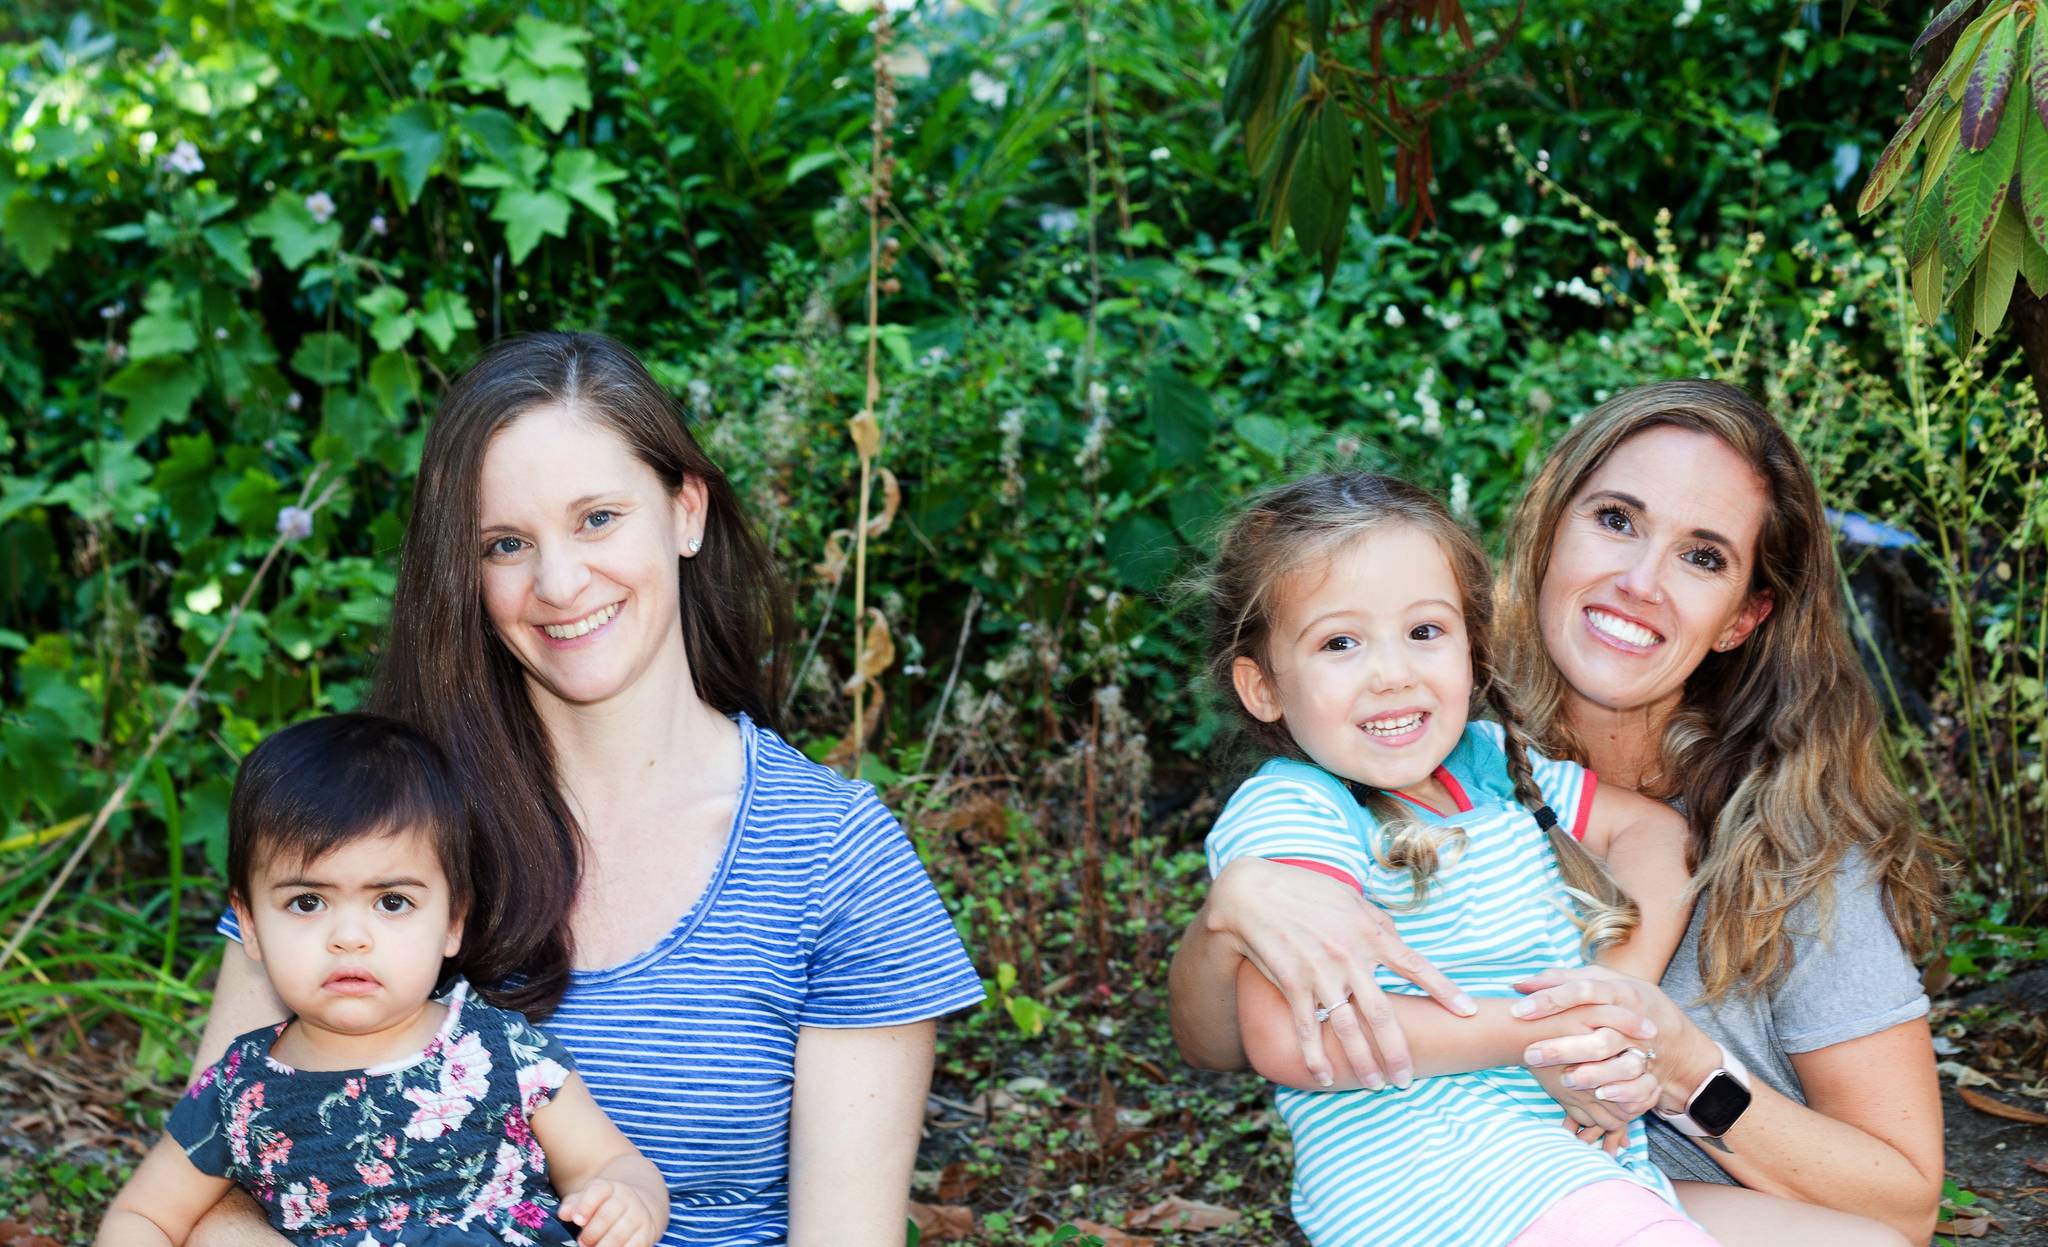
x=1671 y=620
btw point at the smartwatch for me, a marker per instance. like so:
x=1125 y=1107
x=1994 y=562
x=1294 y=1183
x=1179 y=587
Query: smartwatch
x=1712 y=1109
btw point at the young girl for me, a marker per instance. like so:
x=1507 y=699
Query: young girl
x=1351 y=617
x=379 y=1113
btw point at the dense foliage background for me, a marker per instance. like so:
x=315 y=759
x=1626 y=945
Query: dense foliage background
x=243 y=246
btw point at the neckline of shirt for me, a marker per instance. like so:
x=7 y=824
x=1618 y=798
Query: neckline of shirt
x=453 y=999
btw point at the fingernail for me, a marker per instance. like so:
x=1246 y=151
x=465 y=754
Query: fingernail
x=1521 y=1008
x=1373 y=1082
x=1601 y=1094
x=1464 y=1005
x=1323 y=1079
x=1649 y=1028
x=1535 y=1056
x=1568 y=1082
x=1403 y=1078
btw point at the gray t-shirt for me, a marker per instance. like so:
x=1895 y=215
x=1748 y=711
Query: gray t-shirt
x=1855 y=981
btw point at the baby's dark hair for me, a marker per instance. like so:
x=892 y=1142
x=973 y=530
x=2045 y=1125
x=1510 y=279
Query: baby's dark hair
x=318 y=785
x=1301 y=526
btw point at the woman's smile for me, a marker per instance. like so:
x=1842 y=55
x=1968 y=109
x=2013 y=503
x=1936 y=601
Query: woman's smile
x=565 y=635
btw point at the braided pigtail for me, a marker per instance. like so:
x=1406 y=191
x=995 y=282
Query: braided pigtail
x=1605 y=914
x=1407 y=843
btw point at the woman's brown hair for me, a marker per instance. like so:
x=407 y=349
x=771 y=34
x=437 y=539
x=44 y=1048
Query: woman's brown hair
x=1776 y=746
x=1301 y=526
x=446 y=672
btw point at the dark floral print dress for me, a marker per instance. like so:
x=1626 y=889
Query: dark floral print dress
x=434 y=1148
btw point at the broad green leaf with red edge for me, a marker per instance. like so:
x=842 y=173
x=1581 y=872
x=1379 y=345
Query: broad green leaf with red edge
x=1956 y=72
x=1941 y=147
x=1942 y=21
x=2040 y=42
x=1923 y=225
x=2034 y=267
x=1977 y=186
x=1897 y=156
x=2033 y=169
x=1990 y=83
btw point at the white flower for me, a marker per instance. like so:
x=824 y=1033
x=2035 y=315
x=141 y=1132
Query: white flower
x=321 y=205
x=294 y=401
x=1252 y=321
x=933 y=357
x=466 y=1070
x=1687 y=10
x=1160 y=153
x=220 y=333
x=539 y=1079
x=184 y=158
x=1393 y=317
x=296 y=1205
x=630 y=67
x=377 y=27
x=1510 y=226
x=114 y=310
x=294 y=523
x=437 y=1113
x=699 y=391
x=379 y=226
x=1849 y=316
x=1450 y=320
x=782 y=374
x=1461 y=494
x=988 y=90
x=1059 y=220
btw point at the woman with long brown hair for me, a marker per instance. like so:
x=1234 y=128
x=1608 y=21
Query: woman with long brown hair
x=739 y=947
x=1672 y=621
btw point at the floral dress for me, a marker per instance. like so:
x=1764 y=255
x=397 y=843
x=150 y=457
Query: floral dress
x=432 y=1148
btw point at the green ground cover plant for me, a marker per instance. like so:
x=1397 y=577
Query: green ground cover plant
x=243 y=246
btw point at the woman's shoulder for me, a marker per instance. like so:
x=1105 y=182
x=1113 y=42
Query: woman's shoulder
x=784 y=781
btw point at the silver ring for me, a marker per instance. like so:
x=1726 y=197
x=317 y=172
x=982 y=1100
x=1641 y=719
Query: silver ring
x=1323 y=1012
x=1647 y=1054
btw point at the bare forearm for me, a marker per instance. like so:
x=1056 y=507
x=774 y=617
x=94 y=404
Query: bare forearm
x=1202 y=994
x=1782 y=1147
x=236 y=1221
x=124 y=1227
x=636 y=1171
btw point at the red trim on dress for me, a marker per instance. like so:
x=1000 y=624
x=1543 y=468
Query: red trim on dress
x=1585 y=806
x=1323 y=868
x=1442 y=775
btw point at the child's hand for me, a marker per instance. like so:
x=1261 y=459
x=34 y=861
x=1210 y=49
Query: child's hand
x=613 y=1214
x=1584 y=1110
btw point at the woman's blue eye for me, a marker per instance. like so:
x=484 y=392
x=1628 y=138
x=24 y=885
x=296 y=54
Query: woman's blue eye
x=599 y=519
x=393 y=903
x=1425 y=632
x=1613 y=519
x=1706 y=558
x=503 y=547
x=305 y=903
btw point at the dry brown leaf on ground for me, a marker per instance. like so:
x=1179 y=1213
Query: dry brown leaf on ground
x=1113 y=1237
x=1175 y=1213
x=939 y=1223
x=955 y=1183
x=1999 y=1108
x=1965 y=1227
x=2037 y=1164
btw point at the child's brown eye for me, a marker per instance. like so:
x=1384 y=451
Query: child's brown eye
x=393 y=903
x=305 y=903
x=1425 y=632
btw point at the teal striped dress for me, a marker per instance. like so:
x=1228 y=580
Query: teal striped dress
x=1463 y=1158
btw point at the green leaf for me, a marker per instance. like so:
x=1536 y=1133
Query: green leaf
x=483 y=59
x=1143 y=550
x=1942 y=21
x=549 y=45
x=390 y=324
x=808 y=163
x=1977 y=186
x=36 y=230
x=496 y=132
x=1923 y=227
x=582 y=175
x=2000 y=268
x=159 y=392
x=291 y=229
x=414 y=135
x=552 y=94
x=1990 y=82
x=1311 y=207
x=528 y=215
x=325 y=358
x=2034 y=268
x=165 y=330
x=1266 y=436
x=184 y=479
x=1941 y=148
x=2033 y=165
x=2040 y=80
x=1183 y=420
x=444 y=314
x=231 y=244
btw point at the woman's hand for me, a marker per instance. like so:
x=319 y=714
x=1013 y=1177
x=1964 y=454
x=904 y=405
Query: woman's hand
x=1318 y=941
x=1619 y=1071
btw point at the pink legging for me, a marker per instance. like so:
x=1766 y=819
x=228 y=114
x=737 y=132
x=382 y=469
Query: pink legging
x=1614 y=1213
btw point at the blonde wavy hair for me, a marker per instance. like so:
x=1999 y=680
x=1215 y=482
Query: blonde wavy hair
x=1776 y=747
x=1301 y=526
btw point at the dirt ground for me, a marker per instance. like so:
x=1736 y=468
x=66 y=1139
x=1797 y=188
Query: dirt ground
x=70 y=1125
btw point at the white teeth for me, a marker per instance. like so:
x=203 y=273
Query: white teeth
x=589 y=623
x=1393 y=727
x=1621 y=629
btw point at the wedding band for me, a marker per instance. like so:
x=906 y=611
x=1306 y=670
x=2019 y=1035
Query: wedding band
x=1323 y=1012
x=1647 y=1054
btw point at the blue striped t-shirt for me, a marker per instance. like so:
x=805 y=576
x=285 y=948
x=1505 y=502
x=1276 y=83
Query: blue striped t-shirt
x=819 y=914
x=1458 y=1158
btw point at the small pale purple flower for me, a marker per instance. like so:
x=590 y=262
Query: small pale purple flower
x=184 y=158
x=379 y=226
x=114 y=310
x=116 y=352
x=294 y=523
x=220 y=334
x=630 y=67
x=294 y=400
x=321 y=205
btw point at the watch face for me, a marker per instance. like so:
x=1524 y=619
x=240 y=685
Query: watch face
x=1719 y=1103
